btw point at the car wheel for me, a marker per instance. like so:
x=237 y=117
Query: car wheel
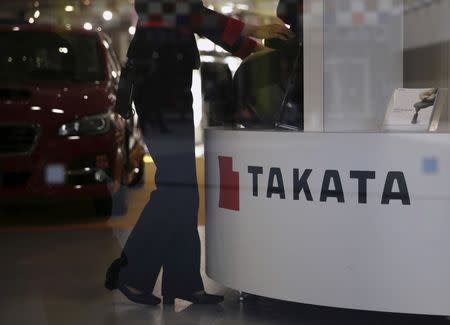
x=138 y=178
x=114 y=205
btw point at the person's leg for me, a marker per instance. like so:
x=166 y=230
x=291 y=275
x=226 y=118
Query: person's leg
x=136 y=271
x=181 y=270
x=181 y=266
x=167 y=229
x=146 y=246
x=181 y=263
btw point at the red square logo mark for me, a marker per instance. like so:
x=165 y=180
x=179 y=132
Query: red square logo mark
x=229 y=185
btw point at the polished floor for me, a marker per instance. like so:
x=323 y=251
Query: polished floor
x=56 y=278
x=53 y=259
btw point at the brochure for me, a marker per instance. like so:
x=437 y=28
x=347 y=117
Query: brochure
x=411 y=110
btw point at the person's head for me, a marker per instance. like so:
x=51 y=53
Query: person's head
x=291 y=13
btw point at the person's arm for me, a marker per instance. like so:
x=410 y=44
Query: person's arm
x=232 y=34
x=235 y=36
x=224 y=31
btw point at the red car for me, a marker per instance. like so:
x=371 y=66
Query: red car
x=59 y=134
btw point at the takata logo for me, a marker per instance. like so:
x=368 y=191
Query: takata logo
x=395 y=185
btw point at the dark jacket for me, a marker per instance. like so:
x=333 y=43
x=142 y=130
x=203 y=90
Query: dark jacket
x=166 y=31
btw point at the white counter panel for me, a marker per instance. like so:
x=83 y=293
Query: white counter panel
x=387 y=257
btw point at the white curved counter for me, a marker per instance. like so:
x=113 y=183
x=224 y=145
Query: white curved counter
x=351 y=220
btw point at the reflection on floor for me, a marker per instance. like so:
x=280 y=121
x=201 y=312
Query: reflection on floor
x=53 y=259
x=56 y=278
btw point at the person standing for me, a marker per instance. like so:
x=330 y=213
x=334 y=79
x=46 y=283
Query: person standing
x=163 y=54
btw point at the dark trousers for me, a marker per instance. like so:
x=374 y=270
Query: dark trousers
x=166 y=234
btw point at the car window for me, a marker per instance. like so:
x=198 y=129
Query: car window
x=112 y=61
x=50 y=56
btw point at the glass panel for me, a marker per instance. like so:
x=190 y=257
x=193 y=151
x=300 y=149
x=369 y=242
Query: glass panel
x=371 y=49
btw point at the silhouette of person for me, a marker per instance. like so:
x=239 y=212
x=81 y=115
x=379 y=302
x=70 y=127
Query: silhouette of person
x=262 y=82
x=164 y=53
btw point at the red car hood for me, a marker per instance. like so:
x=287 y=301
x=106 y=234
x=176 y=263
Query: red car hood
x=53 y=102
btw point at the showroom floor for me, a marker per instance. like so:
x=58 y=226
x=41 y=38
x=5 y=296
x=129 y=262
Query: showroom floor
x=53 y=259
x=56 y=278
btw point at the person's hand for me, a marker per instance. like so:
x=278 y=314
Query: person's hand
x=429 y=95
x=268 y=31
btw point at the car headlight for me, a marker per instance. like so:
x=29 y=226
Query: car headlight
x=86 y=125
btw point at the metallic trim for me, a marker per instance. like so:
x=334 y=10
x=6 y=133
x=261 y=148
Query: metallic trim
x=313 y=52
x=439 y=107
x=82 y=172
x=91 y=172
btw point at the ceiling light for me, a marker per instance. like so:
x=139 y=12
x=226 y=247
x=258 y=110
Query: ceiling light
x=242 y=6
x=227 y=9
x=87 y=26
x=69 y=8
x=107 y=15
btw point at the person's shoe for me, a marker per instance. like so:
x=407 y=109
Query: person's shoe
x=199 y=298
x=112 y=283
x=112 y=274
x=140 y=298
